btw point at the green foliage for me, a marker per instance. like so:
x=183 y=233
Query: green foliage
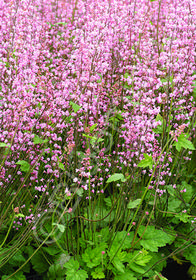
x=60 y=227
x=24 y=165
x=98 y=273
x=39 y=262
x=56 y=272
x=75 y=106
x=183 y=142
x=127 y=275
x=116 y=177
x=146 y=162
x=153 y=238
x=134 y=203
x=73 y=272
x=38 y=140
x=93 y=257
x=18 y=276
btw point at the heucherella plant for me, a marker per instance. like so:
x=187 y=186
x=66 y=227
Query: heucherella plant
x=97 y=138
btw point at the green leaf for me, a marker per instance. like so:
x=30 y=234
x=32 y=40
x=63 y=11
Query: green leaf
x=183 y=142
x=122 y=236
x=117 y=258
x=38 y=140
x=75 y=106
x=98 y=273
x=127 y=275
x=116 y=177
x=80 y=192
x=133 y=204
x=72 y=271
x=153 y=238
x=60 y=227
x=184 y=217
x=60 y=23
x=146 y=162
x=100 y=80
x=72 y=265
x=39 y=263
x=93 y=127
x=93 y=257
x=3 y=145
x=18 y=276
x=79 y=275
x=17 y=260
x=24 y=165
x=61 y=166
x=139 y=257
x=52 y=249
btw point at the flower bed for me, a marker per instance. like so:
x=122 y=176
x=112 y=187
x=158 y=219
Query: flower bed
x=97 y=137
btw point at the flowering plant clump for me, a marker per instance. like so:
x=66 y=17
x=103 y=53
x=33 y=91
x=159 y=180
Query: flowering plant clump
x=97 y=137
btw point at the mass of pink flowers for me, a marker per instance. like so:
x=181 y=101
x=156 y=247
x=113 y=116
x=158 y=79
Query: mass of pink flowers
x=69 y=65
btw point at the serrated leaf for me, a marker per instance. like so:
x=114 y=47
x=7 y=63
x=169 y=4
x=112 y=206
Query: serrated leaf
x=75 y=106
x=183 y=142
x=184 y=217
x=98 y=273
x=39 y=263
x=146 y=162
x=117 y=258
x=93 y=257
x=18 y=276
x=73 y=272
x=122 y=236
x=153 y=238
x=24 y=165
x=116 y=177
x=127 y=275
x=72 y=265
x=79 y=275
x=139 y=257
x=133 y=204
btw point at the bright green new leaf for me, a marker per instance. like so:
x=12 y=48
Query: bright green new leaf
x=146 y=162
x=3 y=145
x=38 y=140
x=117 y=258
x=139 y=257
x=116 y=177
x=133 y=204
x=75 y=106
x=183 y=142
x=24 y=165
x=61 y=166
x=60 y=227
x=93 y=127
x=98 y=273
x=127 y=275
